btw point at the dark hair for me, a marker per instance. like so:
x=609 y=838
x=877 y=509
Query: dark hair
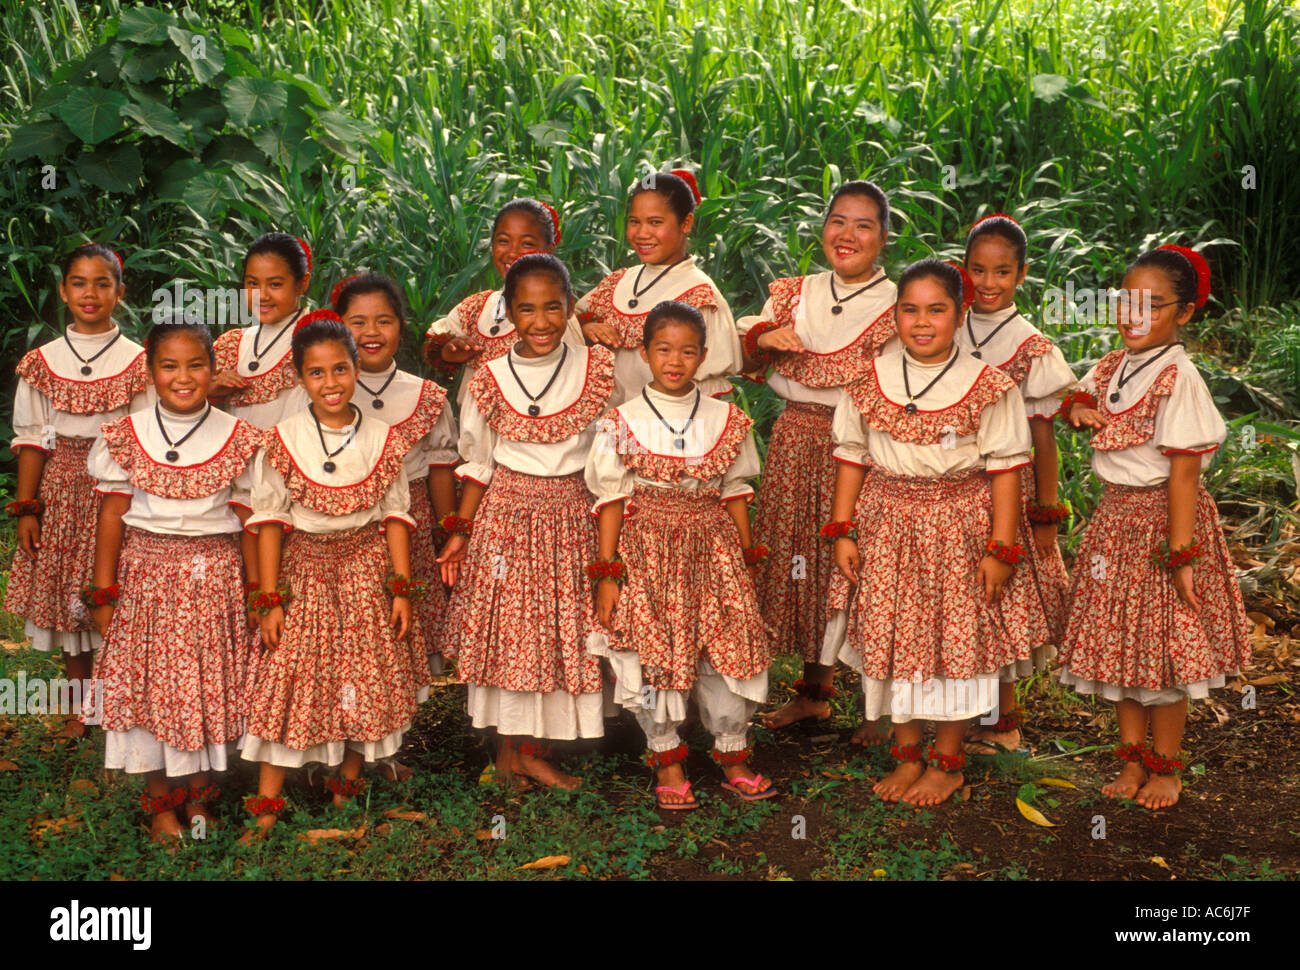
x=948 y=275
x=1003 y=228
x=867 y=190
x=281 y=244
x=672 y=188
x=672 y=311
x=1177 y=267
x=320 y=327
x=529 y=264
x=90 y=250
x=166 y=330
x=545 y=225
x=366 y=284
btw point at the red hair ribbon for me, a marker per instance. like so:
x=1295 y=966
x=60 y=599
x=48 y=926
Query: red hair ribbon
x=338 y=289
x=1201 y=268
x=120 y=266
x=993 y=215
x=555 y=220
x=306 y=251
x=689 y=179
x=316 y=315
x=967 y=284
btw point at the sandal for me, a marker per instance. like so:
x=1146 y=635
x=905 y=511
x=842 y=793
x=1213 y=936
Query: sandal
x=684 y=792
x=754 y=782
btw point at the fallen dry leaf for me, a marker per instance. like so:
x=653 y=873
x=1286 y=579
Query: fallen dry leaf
x=1269 y=679
x=320 y=835
x=382 y=829
x=1057 y=783
x=545 y=862
x=1033 y=814
x=83 y=785
x=405 y=816
x=482 y=834
x=1160 y=861
x=836 y=776
x=8 y=766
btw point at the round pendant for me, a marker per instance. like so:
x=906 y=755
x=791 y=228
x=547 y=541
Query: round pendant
x=534 y=410
x=252 y=365
x=377 y=404
x=172 y=456
x=329 y=466
x=632 y=302
x=976 y=353
x=85 y=369
x=494 y=329
x=909 y=407
x=1114 y=397
x=837 y=309
x=679 y=442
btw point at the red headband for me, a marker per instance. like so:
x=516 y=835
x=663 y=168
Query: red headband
x=555 y=220
x=120 y=266
x=993 y=215
x=316 y=315
x=338 y=288
x=689 y=179
x=967 y=285
x=1200 y=267
x=306 y=251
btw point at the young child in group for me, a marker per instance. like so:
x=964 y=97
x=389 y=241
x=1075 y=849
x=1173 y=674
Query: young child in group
x=521 y=608
x=1156 y=615
x=67 y=388
x=931 y=543
x=675 y=461
x=345 y=665
x=373 y=310
x=169 y=578
x=255 y=376
x=996 y=333
x=660 y=216
x=818 y=333
x=477 y=329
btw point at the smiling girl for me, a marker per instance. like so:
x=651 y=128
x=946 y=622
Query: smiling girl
x=255 y=377
x=521 y=606
x=344 y=664
x=66 y=389
x=676 y=462
x=169 y=572
x=660 y=218
x=930 y=546
x=1156 y=614
x=818 y=333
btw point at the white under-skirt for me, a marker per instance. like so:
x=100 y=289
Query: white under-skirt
x=329 y=754
x=57 y=641
x=137 y=751
x=553 y=716
x=1145 y=696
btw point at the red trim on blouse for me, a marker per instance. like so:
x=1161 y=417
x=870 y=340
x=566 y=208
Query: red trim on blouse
x=40 y=352
x=849 y=461
x=46 y=451
x=840 y=350
x=1016 y=352
x=888 y=400
x=1188 y=451
x=369 y=475
x=999 y=471
x=199 y=464
x=586 y=378
x=1106 y=390
x=471 y=478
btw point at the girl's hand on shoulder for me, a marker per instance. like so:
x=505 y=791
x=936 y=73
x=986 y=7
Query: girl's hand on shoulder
x=457 y=350
x=453 y=554
x=1185 y=587
x=225 y=384
x=782 y=339
x=29 y=534
x=401 y=618
x=607 y=592
x=847 y=558
x=993 y=574
x=272 y=627
x=102 y=617
x=601 y=333
x=1081 y=416
x=1045 y=537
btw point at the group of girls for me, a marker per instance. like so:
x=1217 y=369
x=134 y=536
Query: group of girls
x=269 y=543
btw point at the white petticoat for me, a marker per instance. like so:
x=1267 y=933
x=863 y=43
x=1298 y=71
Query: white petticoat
x=554 y=716
x=1145 y=696
x=137 y=751
x=57 y=641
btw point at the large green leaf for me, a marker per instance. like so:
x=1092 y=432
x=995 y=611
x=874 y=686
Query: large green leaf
x=177 y=176
x=157 y=119
x=144 y=25
x=42 y=139
x=231 y=148
x=114 y=169
x=205 y=57
x=253 y=100
x=93 y=114
x=142 y=64
x=280 y=142
x=208 y=194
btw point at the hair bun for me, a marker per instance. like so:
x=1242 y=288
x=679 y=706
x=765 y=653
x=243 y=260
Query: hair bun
x=689 y=179
x=967 y=284
x=306 y=251
x=1200 y=267
x=314 y=316
x=338 y=288
x=555 y=219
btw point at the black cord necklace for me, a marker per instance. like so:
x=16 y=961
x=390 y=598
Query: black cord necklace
x=679 y=437
x=377 y=403
x=636 y=283
x=498 y=315
x=329 y=466
x=256 y=362
x=909 y=407
x=993 y=333
x=87 y=361
x=1125 y=376
x=172 y=454
x=533 y=409
x=838 y=307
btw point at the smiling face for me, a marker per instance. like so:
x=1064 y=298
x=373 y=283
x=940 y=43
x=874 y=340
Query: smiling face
x=91 y=292
x=653 y=230
x=376 y=329
x=995 y=267
x=516 y=234
x=330 y=378
x=1152 y=324
x=272 y=290
x=182 y=373
x=927 y=319
x=853 y=237
x=674 y=355
x=540 y=312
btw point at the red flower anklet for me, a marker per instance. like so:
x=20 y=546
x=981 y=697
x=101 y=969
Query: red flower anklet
x=1130 y=752
x=1010 y=721
x=729 y=759
x=157 y=806
x=662 y=759
x=1158 y=765
x=347 y=787
x=906 y=753
x=947 y=763
x=262 y=805
x=201 y=796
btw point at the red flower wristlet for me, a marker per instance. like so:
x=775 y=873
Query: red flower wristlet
x=757 y=554
x=1073 y=398
x=1011 y=555
x=1046 y=514
x=31 y=506
x=615 y=570
x=753 y=351
x=399 y=585
x=1172 y=559
x=457 y=525
x=838 y=530
x=263 y=603
x=96 y=596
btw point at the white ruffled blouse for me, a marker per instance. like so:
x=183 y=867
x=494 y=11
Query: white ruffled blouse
x=406 y=398
x=1020 y=350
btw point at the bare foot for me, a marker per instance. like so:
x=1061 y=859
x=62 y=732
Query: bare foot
x=393 y=770
x=1160 y=791
x=1127 y=782
x=934 y=787
x=983 y=740
x=871 y=732
x=263 y=829
x=165 y=827
x=542 y=771
x=798 y=708
x=672 y=776
x=195 y=810
x=893 y=785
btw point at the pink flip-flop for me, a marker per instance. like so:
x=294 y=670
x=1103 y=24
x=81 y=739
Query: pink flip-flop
x=683 y=792
x=754 y=796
